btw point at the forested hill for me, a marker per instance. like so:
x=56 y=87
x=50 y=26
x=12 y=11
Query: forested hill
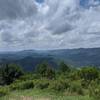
x=28 y=59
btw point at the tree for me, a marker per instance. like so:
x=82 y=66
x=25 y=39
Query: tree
x=41 y=69
x=89 y=73
x=64 y=67
x=11 y=72
x=50 y=73
x=45 y=71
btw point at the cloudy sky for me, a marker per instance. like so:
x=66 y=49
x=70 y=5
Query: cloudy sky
x=49 y=24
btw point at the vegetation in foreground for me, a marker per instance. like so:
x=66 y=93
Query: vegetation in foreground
x=64 y=83
x=37 y=94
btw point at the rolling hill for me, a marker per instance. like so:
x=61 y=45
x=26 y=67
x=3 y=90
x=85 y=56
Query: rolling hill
x=28 y=59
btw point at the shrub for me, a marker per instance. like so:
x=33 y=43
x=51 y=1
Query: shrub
x=59 y=85
x=94 y=91
x=22 y=85
x=27 y=85
x=41 y=84
x=4 y=91
x=29 y=77
x=64 y=68
x=89 y=73
x=85 y=83
x=11 y=72
x=76 y=87
x=44 y=70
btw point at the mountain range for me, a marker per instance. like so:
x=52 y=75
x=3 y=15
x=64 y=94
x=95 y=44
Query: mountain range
x=29 y=59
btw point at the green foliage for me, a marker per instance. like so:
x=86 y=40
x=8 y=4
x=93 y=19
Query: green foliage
x=72 y=81
x=85 y=83
x=10 y=73
x=22 y=85
x=64 y=68
x=89 y=73
x=73 y=75
x=4 y=91
x=36 y=94
x=50 y=73
x=29 y=77
x=41 y=69
x=45 y=71
x=94 y=90
x=59 y=85
x=41 y=84
x=75 y=87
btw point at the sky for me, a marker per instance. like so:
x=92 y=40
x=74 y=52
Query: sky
x=49 y=24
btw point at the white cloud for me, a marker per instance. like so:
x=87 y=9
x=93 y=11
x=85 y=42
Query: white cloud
x=49 y=25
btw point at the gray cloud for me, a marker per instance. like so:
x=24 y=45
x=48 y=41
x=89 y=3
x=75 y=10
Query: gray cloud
x=7 y=37
x=52 y=24
x=60 y=28
x=13 y=9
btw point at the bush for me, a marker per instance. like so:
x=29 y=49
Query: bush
x=27 y=85
x=22 y=85
x=59 y=85
x=85 y=83
x=11 y=72
x=94 y=91
x=29 y=77
x=64 y=67
x=76 y=87
x=4 y=91
x=41 y=84
x=44 y=70
x=89 y=73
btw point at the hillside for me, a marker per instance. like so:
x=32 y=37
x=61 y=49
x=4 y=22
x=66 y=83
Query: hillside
x=28 y=59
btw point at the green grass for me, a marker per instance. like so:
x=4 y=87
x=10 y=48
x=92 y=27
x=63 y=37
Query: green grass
x=34 y=94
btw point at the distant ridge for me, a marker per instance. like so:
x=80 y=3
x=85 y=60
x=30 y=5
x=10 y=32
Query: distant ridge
x=28 y=59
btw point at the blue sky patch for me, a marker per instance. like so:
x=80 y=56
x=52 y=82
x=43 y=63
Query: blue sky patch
x=85 y=3
x=40 y=1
